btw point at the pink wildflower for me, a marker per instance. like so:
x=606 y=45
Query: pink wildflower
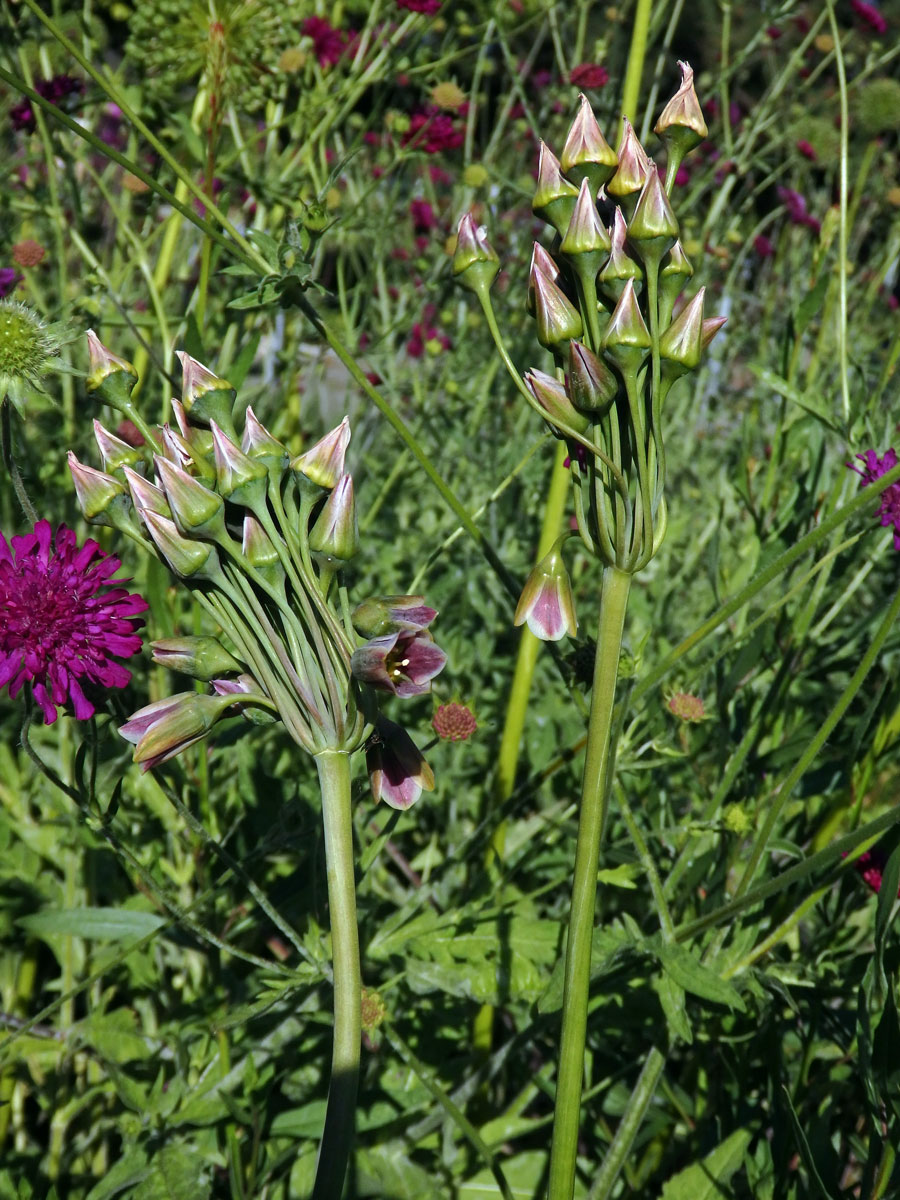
x=329 y=44
x=889 y=504
x=869 y=15
x=430 y=7
x=589 y=75
x=433 y=131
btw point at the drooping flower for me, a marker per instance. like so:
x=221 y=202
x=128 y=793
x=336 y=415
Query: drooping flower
x=65 y=619
x=402 y=663
x=547 y=603
x=889 y=503
x=392 y=614
x=164 y=728
x=398 y=773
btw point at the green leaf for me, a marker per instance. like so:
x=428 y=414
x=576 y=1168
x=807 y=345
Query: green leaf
x=178 y=1171
x=386 y=1170
x=707 y=1180
x=671 y=997
x=606 y=945
x=688 y=972
x=267 y=246
x=107 y=924
x=811 y=303
x=127 y=1172
x=523 y=1174
x=114 y=1035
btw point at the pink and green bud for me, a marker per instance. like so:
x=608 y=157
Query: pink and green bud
x=475 y=263
x=557 y=321
x=681 y=125
x=145 y=494
x=555 y=403
x=186 y=455
x=398 y=773
x=165 y=728
x=196 y=510
x=392 y=614
x=621 y=267
x=336 y=533
x=245 y=685
x=586 y=238
x=113 y=378
x=554 y=199
x=711 y=327
x=323 y=463
x=592 y=385
x=199 y=657
x=544 y=262
x=96 y=492
x=188 y=559
x=681 y=345
x=401 y=663
x=114 y=452
x=634 y=165
x=239 y=478
x=653 y=227
x=198 y=438
x=627 y=339
x=674 y=273
x=258 y=443
x=258 y=548
x=205 y=397
x=547 y=603
x=587 y=156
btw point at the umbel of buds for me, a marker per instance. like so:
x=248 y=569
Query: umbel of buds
x=603 y=301
x=258 y=537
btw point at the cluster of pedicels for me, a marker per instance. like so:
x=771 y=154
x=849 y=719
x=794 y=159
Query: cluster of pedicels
x=259 y=538
x=603 y=297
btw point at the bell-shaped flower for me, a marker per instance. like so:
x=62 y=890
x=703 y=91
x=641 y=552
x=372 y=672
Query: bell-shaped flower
x=323 y=463
x=392 y=614
x=634 y=165
x=336 y=532
x=557 y=320
x=554 y=198
x=163 y=729
x=587 y=155
x=402 y=663
x=547 y=603
x=555 y=403
x=397 y=771
x=475 y=262
x=205 y=397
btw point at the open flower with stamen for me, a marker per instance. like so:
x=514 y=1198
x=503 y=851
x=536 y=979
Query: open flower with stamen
x=397 y=771
x=65 y=619
x=402 y=663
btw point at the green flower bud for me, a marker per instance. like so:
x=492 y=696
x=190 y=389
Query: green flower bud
x=260 y=552
x=681 y=344
x=681 y=125
x=544 y=262
x=392 y=614
x=627 y=339
x=335 y=533
x=259 y=444
x=558 y=408
x=190 y=560
x=96 y=492
x=475 y=262
x=675 y=271
x=711 y=327
x=323 y=463
x=620 y=267
x=196 y=510
x=200 y=657
x=113 y=378
x=653 y=227
x=555 y=197
x=634 y=165
x=587 y=155
x=586 y=238
x=592 y=386
x=114 y=452
x=205 y=397
x=145 y=494
x=557 y=320
x=184 y=454
x=241 y=479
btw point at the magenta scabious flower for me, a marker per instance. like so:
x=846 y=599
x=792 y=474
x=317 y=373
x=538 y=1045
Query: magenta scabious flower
x=329 y=44
x=589 y=75
x=64 y=619
x=869 y=15
x=433 y=131
x=889 y=506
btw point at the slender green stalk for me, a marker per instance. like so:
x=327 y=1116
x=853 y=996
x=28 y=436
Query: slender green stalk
x=594 y=804
x=636 y=55
x=334 y=1152
x=631 y=1121
x=843 y=229
x=10 y=463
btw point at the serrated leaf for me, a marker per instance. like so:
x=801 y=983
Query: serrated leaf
x=708 y=1179
x=107 y=924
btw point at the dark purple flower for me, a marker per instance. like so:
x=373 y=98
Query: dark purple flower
x=397 y=771
x=58 y=88
x=402 y=663
x=423 y=217
x=763 y=246
x=796 y=208
x=870 y=865
x=433 y=131
x=420 y=6
x=63 y=619
x=329 y=44
x=589 y=75
x=807 y=150
x=9 y=277
x=869 y=15
x=889 y=505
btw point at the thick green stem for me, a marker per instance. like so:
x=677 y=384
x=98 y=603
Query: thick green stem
x=595 y=790
x=334 y=781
